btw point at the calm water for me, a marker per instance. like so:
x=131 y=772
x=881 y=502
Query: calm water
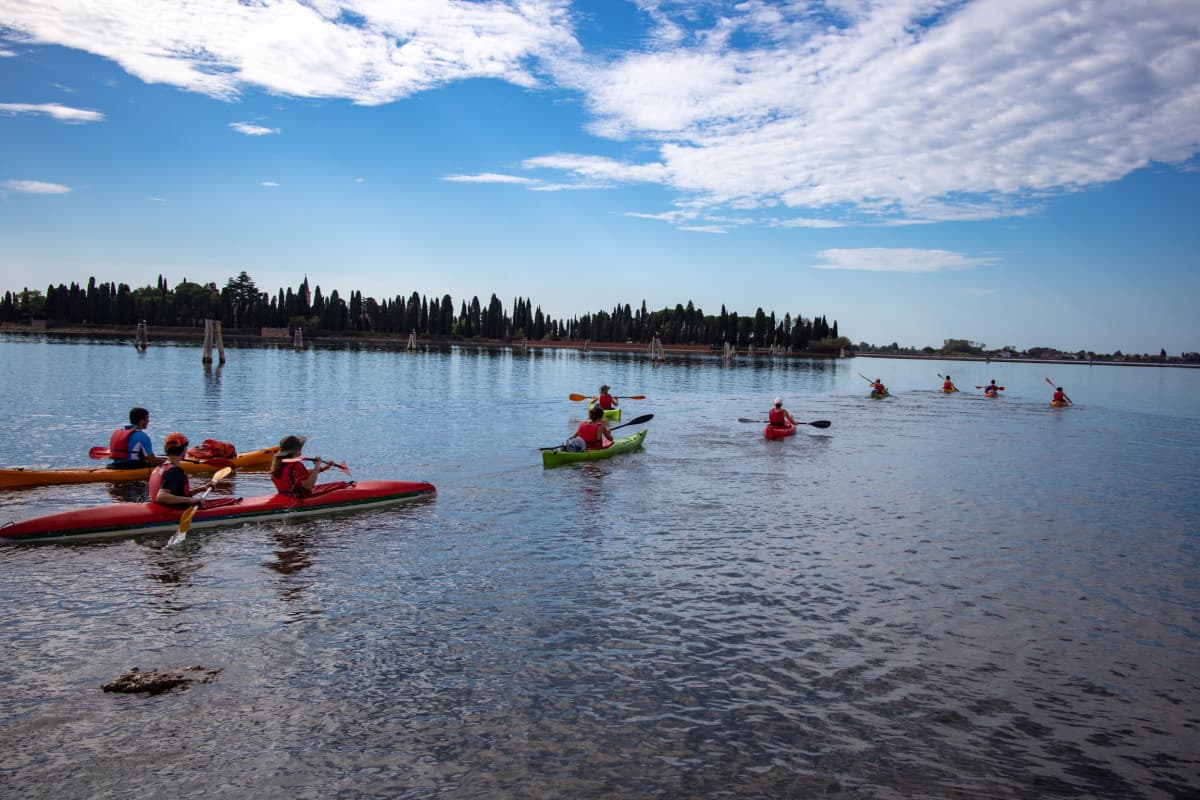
x=937 y=597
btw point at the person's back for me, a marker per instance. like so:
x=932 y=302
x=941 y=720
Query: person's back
x=594 y=432
x=129 y=447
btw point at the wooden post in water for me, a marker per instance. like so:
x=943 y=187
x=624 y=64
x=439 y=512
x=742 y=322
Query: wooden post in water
x=208 y=340
x=140 y=340
x=412 y=340
x=220 y=342
x=298 y=342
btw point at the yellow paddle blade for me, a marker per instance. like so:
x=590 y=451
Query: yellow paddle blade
x=185 y=521
x=222 y=474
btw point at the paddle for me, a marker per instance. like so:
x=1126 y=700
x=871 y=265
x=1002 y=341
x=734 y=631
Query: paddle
x=185 y=521
x=1052 y=383
x=340 y=465
x=576 y=396
x=104 y=452
x=998 y=388
x=642 y=420
x=868 y=380
x=817 y=423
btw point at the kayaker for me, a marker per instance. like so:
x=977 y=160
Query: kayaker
x=288 y=472
x=130 y=447
x=595 y=432
x=169 y=484
x=1060 y=397
x=878 y=388
x=948 y=386
x=605 y=400
x=780 y=417
x=991 y=390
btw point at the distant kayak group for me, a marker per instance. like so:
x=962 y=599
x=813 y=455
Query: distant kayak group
x=1058 y=399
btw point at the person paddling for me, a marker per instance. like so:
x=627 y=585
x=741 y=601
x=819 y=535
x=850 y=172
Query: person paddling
x=780 y=417
x=605 y=400
x=595 y=433
x=1060 y=398
x=948 y=386
x=130 y=447
x=878 y=388
x=289 y=474
x=991 y=390
x=169 y=484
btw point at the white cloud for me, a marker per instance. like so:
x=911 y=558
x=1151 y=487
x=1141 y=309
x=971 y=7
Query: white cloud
x=37 y=187
x=892 y=112
x=59 y=112
x=983 y=114
x=488 y=177
x=367 y=51
x=7 y=54
x=251 y=129
x=883 y=259
x=808 y=222
x=268 y=184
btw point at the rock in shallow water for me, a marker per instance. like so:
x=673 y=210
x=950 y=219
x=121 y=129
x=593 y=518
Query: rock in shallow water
x=157 y=681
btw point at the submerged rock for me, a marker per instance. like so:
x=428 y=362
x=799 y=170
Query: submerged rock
x=156 y=681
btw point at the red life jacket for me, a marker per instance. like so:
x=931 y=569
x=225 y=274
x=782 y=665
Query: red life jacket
x=118 y=443
x=948 y=386
x=212 y=448
x=606 y=402
x=776 y=418
x=156 y=478
x=590 y=433
x=290 y=479
x=1059 y=397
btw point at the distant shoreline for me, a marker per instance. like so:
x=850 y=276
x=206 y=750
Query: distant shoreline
x=197 y=334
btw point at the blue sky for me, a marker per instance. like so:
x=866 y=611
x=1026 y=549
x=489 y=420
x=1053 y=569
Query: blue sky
x=1011 y=172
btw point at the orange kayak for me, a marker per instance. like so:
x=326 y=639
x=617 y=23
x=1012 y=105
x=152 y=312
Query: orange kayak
x=21 y=478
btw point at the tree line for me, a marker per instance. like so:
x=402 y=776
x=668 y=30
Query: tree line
x=241 y=306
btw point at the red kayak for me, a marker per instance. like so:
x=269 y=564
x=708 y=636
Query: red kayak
x=132 y=519
x=772 y=432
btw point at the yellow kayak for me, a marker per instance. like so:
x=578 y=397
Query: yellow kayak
x=21 y=478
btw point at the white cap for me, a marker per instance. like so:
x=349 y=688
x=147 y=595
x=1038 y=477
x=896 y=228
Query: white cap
x=778 y=401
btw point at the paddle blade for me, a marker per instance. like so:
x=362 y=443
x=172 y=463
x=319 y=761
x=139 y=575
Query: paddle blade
x=820 y=423
x=99 y=452
x=755 y=421
x=575 y=396
x=633 y=397
x=185 y=522
x=222 y=473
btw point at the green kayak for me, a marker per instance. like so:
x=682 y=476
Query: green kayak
x=553 y=458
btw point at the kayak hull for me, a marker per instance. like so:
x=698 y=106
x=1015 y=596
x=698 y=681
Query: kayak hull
x=772 y=432
x=1059 y=403
x=135 y=519
x=18 y=478
x=627 y=444
x=879 y=395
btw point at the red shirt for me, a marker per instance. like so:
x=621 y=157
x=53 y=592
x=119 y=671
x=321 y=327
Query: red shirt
x=606 y=402
x=291 y=479
x=776 y=418
x=590 y=433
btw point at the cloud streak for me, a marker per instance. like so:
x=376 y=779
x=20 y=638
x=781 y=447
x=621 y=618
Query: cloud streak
x=250 y=129
x=883 y=259
x=54 y=110
x=36 y=187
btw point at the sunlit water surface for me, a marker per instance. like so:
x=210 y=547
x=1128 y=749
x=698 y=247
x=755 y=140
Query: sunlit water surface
x=936 y=597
